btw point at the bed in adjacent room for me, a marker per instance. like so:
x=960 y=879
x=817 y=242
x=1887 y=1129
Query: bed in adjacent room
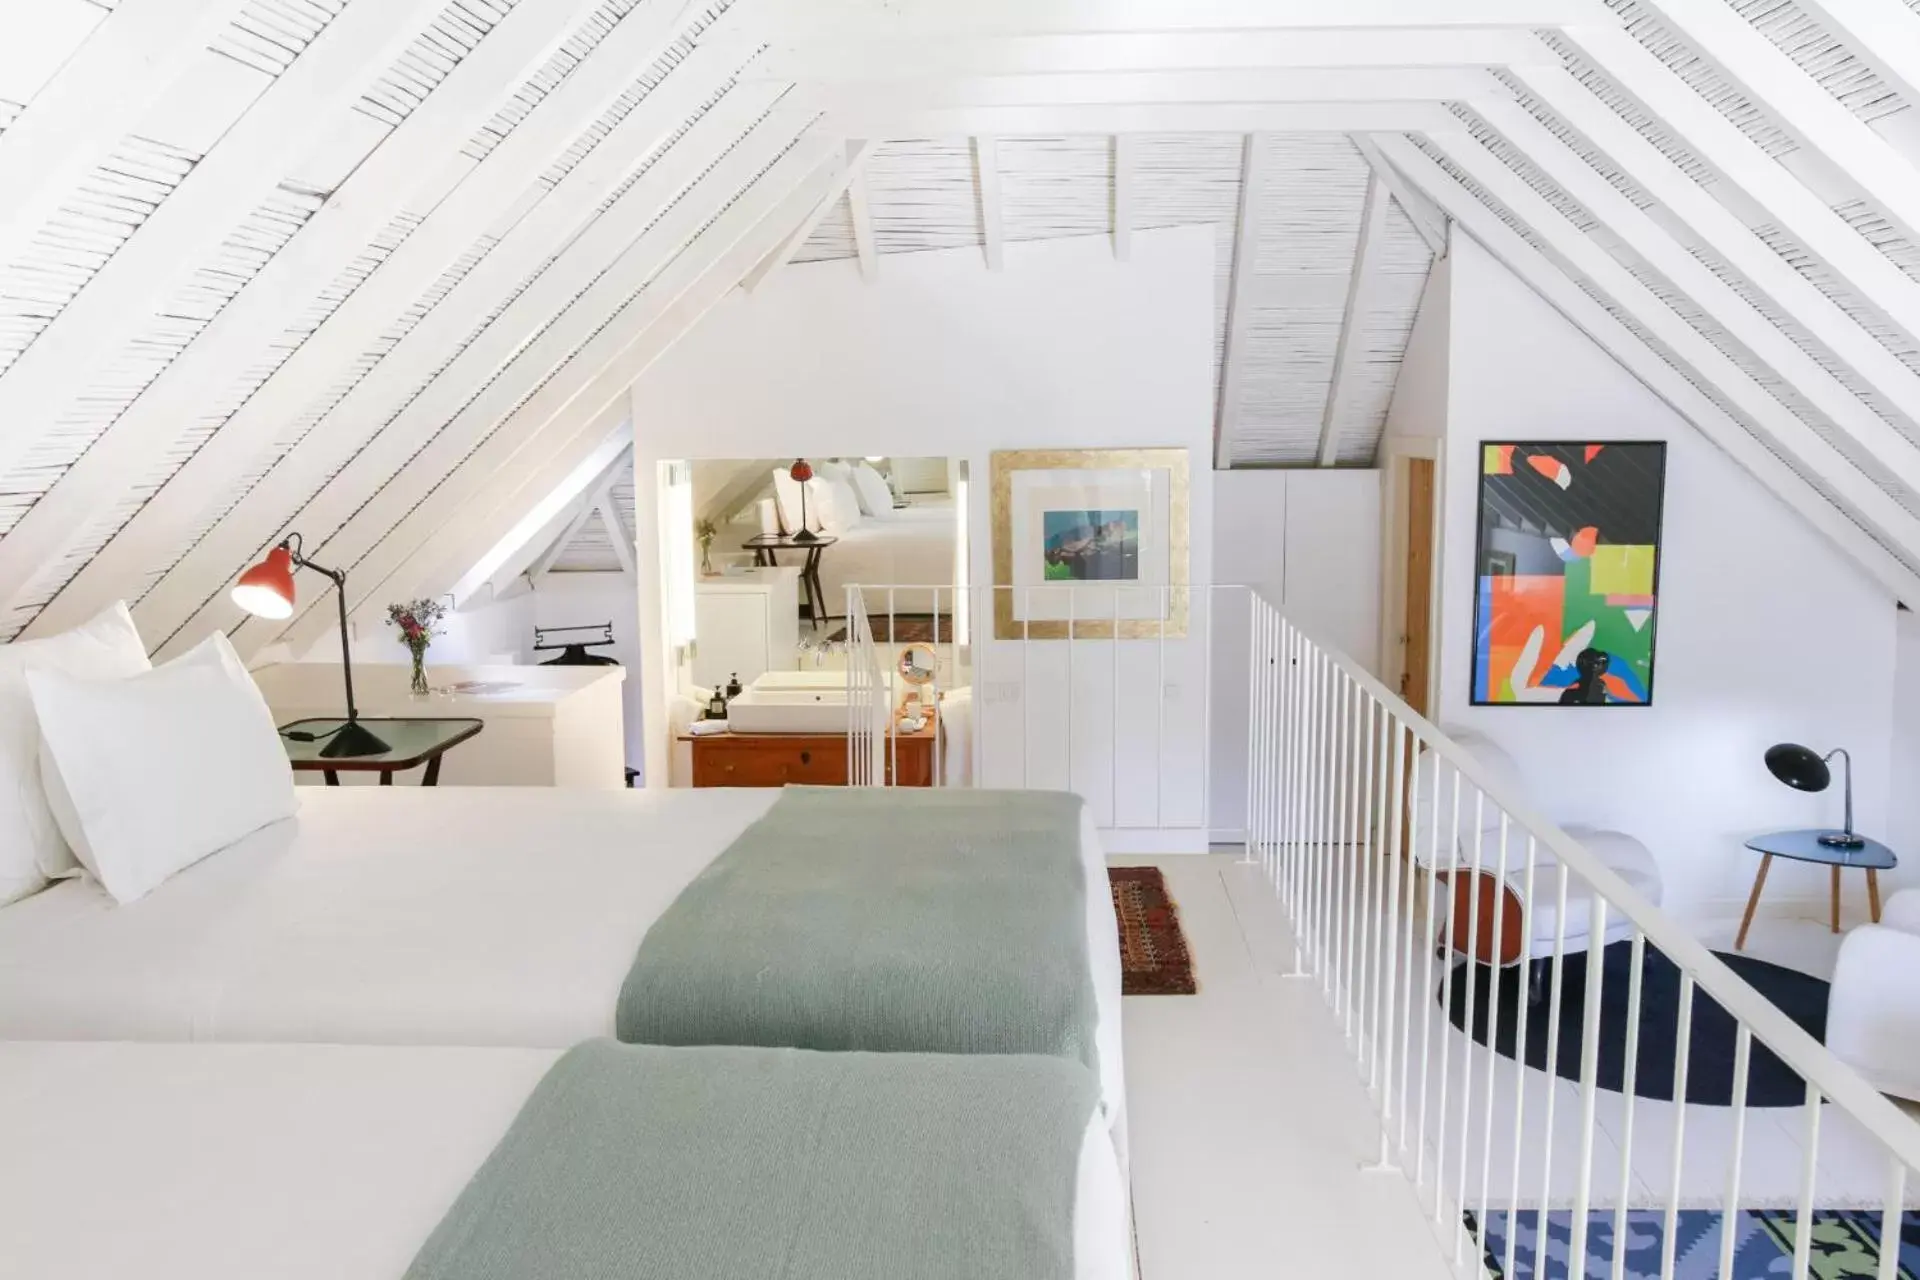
x=444 y=916
x=908 y=547
x=178 y=1162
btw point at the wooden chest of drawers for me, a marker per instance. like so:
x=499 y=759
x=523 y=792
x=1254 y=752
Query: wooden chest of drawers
x=814 y=759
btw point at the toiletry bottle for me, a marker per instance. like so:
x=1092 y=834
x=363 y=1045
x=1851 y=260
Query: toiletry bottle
x=717 y=705
x=733 y=687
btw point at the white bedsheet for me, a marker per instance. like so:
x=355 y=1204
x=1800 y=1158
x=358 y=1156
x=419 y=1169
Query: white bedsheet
x=911 y=546
x=299 y=1162
x=410 y=915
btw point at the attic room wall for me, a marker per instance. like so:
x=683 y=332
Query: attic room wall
x=1064 y=347
x=1767 y=632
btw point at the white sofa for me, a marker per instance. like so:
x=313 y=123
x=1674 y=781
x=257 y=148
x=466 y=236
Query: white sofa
x=1434 y=843
x=1873 y=1020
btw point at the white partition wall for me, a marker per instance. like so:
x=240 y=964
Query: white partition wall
x=1064 y=348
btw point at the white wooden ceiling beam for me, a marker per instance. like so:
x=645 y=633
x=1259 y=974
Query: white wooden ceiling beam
x=591 y=505
x=1011 y=18
x=879 y=99
x=507 y=560
x=861 y=211
x=1721 y=303
x=1246 y=248
x=867 y=56
x=92 y=101
x=330 y=472
x=1551 y=280
x=986 y=179
x=544 y=436
x=165 y=523
x=378 y=189
x=1428 y=222
x=1715 y=225
x=844 y=174
x=1124 y=178
x=1885 y=34
x=1775 y=83
x=618 y=534
x=1251 y=117
x=1697 y=125
x=1353 y=320
x=1586 y=256
x=281 y=126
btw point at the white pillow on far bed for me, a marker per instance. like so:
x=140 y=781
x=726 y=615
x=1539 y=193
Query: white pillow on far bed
x=149 y=774
x=871 y=489
x=31 y=849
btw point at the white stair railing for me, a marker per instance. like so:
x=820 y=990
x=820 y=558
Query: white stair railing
x=869 y=699
x=1347 y=782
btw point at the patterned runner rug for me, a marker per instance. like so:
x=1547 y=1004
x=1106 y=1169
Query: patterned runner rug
x=1153 y=951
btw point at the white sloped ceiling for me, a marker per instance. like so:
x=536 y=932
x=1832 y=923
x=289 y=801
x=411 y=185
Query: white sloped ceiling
x=381 y=270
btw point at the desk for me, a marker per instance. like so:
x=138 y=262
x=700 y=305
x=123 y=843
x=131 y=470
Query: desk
x=763 y=546
x=411 y=743
x=1804 y=846
x=546 y=726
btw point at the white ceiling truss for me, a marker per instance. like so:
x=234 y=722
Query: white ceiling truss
x=381 y=271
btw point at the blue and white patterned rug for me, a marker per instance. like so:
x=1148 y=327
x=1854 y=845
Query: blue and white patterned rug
x=1846 y=1244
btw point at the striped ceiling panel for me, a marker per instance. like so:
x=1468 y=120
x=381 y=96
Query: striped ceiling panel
x=451 y=281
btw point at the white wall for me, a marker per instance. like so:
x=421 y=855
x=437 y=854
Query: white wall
x=1065 y=347
x=1767 y=633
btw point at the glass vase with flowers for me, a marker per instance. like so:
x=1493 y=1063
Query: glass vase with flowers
x=416 y=621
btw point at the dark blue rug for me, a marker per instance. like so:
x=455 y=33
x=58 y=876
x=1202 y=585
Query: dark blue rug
x=1846 y=1244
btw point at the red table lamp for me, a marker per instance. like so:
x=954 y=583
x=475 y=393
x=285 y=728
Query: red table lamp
x=266 y=591
x=802 y=473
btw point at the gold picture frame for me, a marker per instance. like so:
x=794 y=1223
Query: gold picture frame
x=1172 y=624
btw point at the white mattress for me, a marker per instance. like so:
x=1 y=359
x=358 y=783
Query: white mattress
x=911 y=546
x=300 y=1162
x=409 y=915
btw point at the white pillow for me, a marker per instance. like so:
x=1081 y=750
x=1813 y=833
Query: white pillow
x=31 y=849
x=840 y=509
x=871 y=489
x=148 y=774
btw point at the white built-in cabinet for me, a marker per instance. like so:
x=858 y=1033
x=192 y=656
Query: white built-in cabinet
x=746 y=624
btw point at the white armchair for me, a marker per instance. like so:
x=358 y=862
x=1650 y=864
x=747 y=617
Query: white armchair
x=1873 y=1019
x=1523 y=934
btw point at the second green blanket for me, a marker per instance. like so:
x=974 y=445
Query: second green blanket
x=880 y=919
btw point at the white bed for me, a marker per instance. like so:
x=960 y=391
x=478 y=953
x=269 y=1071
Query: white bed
x=411 y=915
x=911 y=546
x=182 y=1162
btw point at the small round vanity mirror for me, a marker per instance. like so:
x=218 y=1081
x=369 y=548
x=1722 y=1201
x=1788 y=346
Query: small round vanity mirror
x=917 y=664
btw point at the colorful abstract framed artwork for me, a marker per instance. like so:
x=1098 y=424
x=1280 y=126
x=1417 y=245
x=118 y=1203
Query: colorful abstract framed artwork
x=1567 y=573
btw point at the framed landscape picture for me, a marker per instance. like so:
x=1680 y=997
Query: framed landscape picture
x=1090 y=543
x=1567 y=573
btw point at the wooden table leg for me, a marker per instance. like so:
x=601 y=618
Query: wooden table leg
x=1753 y=900
x=432 y=776
x=333 y=777
x=1836 y=897
x=1873 y=893
x=386 y=777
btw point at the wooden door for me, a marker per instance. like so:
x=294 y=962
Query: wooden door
x=1416 y=668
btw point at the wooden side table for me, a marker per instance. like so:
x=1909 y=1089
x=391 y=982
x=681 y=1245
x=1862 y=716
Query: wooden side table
x=811 y=759
x=1804 y=846
x=411 y=742
x=764 y=545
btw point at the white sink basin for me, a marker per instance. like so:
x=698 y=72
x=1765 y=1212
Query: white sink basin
x=792 y=702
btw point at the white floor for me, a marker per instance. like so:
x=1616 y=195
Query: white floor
x=1250 y=1128
x=1253 y=1131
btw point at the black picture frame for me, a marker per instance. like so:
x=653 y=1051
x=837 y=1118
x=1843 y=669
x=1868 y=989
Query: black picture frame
x=1642 y=515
